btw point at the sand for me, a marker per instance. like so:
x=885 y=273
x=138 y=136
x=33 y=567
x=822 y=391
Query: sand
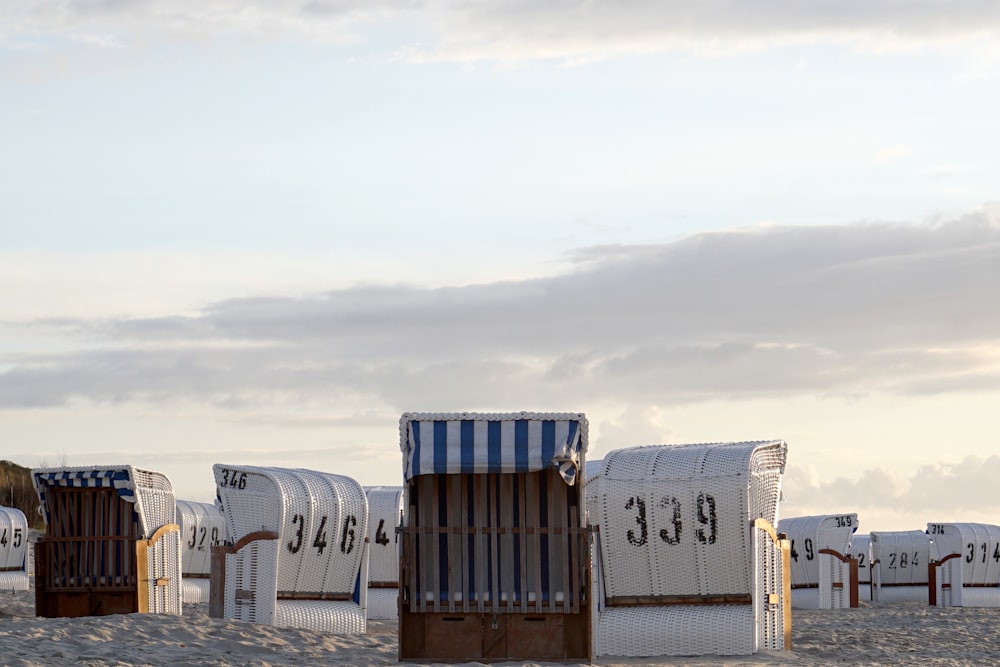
x=891 y=634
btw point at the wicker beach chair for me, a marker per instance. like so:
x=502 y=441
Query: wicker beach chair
x=495 y=560
x=859 y=549
x=299 y=556
x=965 y=565
x=111 y=544
x=899 y=565
x=689 y=561
x=385 y=512
x=202 y=527
x=824 y=574
x=13 y=550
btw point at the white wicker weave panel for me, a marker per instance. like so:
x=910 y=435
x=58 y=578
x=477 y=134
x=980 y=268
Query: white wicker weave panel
x=860 y=548
x=202 y=527
x=14 y=581
x=164 y=565
x=977 y=546
x=321 y=520
x=383 y=603
x=321 y=616
x=675 y=630
x=900 y=558
x=675 y=520
x=252 y=583
x=811 y=534
x=385 y=507
x=889 y=594
x=195 y=591
x=13 y=540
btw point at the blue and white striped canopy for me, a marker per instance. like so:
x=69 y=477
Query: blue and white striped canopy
x=118 y=478
x=468 y=442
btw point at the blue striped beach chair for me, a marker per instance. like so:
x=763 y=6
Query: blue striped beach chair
x=495 y=561
x=111 y=544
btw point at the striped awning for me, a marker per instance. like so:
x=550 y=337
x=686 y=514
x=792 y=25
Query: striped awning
x=118 y=478
x=468 y=442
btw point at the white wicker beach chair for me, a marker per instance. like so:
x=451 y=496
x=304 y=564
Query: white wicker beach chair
x=385 y=512
x=111 y=544
x=13 y=550
x=860 y=550
x=899 y=565
x=299 y=557
x=495 y=560
x=824 y=575
x=689 y=561
x=202 y=527
x=965 y=563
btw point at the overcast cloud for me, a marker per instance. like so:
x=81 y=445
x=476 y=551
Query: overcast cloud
x=740 y=313
x=518 y=30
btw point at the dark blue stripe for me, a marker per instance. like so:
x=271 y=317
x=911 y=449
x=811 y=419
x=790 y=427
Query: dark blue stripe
x=415 y=468
x=521 y=445
x=468 y=445
x=571 y=437
x=441 y=447
x=548 y=441
x=493 y=446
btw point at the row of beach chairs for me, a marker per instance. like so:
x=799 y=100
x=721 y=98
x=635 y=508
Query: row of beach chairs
x=501 y=544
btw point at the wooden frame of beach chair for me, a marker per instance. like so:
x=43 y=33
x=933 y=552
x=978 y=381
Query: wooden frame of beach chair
x=299 y=557
x=859 y=549
x=385 y=514
x=689 y=562
x=111 y=544
x=202 y=527
x=899 y=562
x=824 y=574
x=495 y=561
x=13 y=550
x=965 y=567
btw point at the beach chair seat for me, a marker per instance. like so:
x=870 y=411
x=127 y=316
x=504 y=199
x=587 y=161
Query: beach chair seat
x=965 y=565
x=824 y=574
x=13 y=550
x=299 y=556
x=202 y=527
x=385 y=512
x=111 y=543
x=899 y=562
x=495 y=561
x=689 y=562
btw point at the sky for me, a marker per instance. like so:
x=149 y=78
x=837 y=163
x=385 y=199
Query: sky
x=258 y=232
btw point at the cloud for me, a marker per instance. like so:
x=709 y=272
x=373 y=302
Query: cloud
x=519 y=30
x=756 y=312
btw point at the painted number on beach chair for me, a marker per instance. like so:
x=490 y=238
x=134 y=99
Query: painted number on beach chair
x=380 y=536
x=936 y=529
x=234 y=479
x=845 y=521
x=18 y=538
x=985 y=548
x=904 y=560
x=809 y=547
x=706 y=518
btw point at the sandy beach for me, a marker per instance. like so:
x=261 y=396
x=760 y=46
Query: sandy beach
x=892 y=634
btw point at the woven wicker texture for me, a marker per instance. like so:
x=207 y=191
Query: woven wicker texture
x=195 y=591
x=150 y=492
x=202 y=527
x=13 y=550
x=676 y=520
x=163 y=567
x=968 y=574
x=899 y=565
x=820 y=580
x=385 y=509
x=322 y=522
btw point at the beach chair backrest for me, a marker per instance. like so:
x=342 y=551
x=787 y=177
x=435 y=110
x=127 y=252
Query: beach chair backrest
x=900 y=557
x=13 y=539
x=860 y=549
x=975 y=545
x=202 y=527
x=811 y=535
x=676 y=520
x=321 y=520
x=385 y=509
